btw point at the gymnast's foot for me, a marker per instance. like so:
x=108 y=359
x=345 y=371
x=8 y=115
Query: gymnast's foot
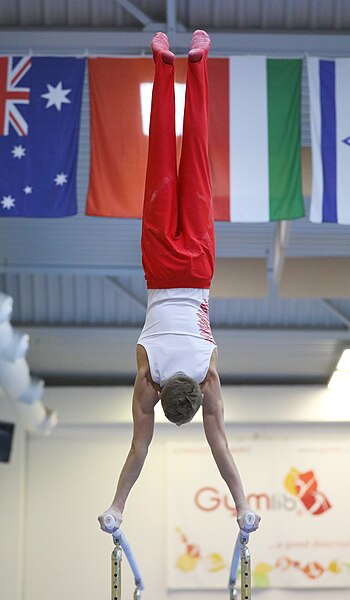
x=160 y=44
x=200 y=46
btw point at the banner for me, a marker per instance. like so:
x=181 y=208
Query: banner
x=298 y=489
x=40 y=103
x=329 y=89
x=254 y=136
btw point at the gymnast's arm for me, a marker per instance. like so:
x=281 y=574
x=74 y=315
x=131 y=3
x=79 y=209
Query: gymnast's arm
x=144 y=399
x=214 y=427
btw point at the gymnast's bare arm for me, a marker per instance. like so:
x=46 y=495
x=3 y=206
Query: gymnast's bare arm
x=214 y=427
x=144 y=400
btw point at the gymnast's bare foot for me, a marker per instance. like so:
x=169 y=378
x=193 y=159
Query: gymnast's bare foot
x=160 y=44
x=200 y=46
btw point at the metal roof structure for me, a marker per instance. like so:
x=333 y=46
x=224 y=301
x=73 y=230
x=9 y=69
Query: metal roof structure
x=77 y=283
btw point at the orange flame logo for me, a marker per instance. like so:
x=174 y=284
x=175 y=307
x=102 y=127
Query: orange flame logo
x=305 y=487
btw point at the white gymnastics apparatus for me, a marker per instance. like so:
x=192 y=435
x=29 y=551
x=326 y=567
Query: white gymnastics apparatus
x=121 y=543
x=240 y=551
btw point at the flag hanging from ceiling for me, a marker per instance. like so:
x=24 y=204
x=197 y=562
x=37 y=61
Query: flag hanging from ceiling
x=265 y=161
x=329 y=88
x=254 y=136
x=40 y=104
x=120 y=102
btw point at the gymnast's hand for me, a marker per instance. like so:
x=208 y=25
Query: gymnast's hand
x=248 y=520
x=114 y=512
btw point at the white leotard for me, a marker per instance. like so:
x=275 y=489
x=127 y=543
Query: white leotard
x=176 y=334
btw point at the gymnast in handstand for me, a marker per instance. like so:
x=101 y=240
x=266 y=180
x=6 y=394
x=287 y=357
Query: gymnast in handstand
x=176 y=353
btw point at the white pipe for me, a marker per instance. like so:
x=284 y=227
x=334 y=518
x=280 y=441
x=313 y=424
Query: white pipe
x=6 y=306
x=17 y=348
x=33 y=393
x=6 y=333
x=14 y=377
x=243 y=536
x=31 y=414
x=110 y=525
x=36 y=417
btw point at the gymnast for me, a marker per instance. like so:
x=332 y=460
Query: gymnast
x=176 y=353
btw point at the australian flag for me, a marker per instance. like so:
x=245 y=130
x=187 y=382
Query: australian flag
x=40 y=105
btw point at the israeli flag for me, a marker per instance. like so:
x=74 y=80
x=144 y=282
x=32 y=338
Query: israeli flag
x=329 y=87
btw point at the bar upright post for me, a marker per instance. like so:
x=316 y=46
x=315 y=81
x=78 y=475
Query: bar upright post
x=246 y=578
x=116 y=571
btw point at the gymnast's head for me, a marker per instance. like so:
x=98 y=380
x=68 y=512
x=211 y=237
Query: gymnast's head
x=181 y=398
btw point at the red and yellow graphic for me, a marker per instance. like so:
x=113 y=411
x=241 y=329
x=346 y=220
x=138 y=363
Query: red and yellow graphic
x=312 y=570
x=305 y=487
x=188 y=561
x=214 y=562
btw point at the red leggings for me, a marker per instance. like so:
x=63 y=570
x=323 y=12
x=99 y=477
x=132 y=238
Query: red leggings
x=178 y=243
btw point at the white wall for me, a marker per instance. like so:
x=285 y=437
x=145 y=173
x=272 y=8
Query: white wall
x=72 y=475
x=12 y=488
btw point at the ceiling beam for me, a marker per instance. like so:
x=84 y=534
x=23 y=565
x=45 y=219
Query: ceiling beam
x=249 y=355
x=128 y=293
x=139 y=15
x=78 y=41
x=337 y=312
x=247 y=333
x=70 y=269
x=171 y=17
x=171 y=25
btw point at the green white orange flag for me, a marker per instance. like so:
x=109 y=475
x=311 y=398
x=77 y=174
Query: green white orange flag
x=254 y=136
x=265 y=172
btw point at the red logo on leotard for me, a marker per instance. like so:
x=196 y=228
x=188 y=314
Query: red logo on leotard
x=203 y=321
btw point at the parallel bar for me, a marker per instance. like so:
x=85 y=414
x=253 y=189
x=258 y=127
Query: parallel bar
x=120 y=541
x=119 y=536
x=235 y=561
x=241 y=553
x=246 y=576
x=116 y=572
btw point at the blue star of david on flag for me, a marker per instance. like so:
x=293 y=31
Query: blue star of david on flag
x=40 y=105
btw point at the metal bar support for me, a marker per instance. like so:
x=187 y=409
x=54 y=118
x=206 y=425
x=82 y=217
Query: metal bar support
x=127 y=292
x=171 y=16
x=116 y=572
x=135 y=12
x=337 y=312
x=281 y=242
x=122 y=544
x=246 y=578
x=241 y=551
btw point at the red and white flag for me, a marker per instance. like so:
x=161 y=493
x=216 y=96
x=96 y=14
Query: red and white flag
x=120 y=101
